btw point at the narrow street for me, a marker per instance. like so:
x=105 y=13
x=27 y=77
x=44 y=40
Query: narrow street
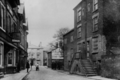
x=48 y=74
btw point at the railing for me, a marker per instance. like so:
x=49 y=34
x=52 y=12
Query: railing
x=85 y=70
x=73 y=58
x=91 y=63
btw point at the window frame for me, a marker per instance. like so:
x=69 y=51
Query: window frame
x=72 y=38
x=14 y=57
x=2 y=52
x=79 y=33
x=95 y=23
x=95 y=44
x=79 y=46
x=95 y=5
x=88 y=7
x=65 y=41
x=8 y=59
x=79 y=14
x=2 y=13
x=83 y=11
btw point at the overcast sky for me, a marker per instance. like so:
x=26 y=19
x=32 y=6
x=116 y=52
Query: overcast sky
x=45 y=17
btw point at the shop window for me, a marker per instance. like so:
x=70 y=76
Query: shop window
x=10 y=57
x=14 y=57
x=78 y=47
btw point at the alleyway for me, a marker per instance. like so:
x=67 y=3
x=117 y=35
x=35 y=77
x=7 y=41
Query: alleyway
x=48 y=74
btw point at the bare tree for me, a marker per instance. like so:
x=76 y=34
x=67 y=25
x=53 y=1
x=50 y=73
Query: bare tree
x=111 y=23
x=59 y=34
x=59 y=38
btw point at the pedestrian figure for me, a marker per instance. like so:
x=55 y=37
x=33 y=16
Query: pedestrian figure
x=37 y=67
x=99 y=66
x=31 y=64
x=69 y=64
x=18 y=66
x=27 y=66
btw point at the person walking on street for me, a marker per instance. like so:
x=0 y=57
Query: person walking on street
x=37 y=67
x=27 y=66
x=31 y=64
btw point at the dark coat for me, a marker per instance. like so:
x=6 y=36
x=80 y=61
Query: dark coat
x=27 y=65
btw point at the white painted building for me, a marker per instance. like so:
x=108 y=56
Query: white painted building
x=35 y=53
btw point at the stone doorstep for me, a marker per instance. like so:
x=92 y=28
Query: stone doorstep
x=1 y=75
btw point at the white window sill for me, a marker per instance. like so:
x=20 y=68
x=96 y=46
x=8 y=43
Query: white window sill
x=1 y=66
x=9 y=65
x=2 y=29
x=94 y=10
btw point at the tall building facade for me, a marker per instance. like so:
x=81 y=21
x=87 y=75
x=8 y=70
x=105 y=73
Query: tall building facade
x=88 y=21
x=94 y=31
x=12 y=54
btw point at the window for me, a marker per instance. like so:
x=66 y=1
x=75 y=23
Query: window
x=78 y=32
x=79 y=14
x=8 y=23
x=95 y=5
x=95 y=46
x=88 y=7
x=71 y=39
x=38 y=54
x=10 y=57
x=95 y=23
x=1 y=53
x=65 y=41
x=78 y=47
x=83 y=12
x=2 y=17
x=12 y=26
x=32 y=54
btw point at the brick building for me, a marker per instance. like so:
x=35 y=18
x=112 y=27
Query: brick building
x=13 y=37
x=95 y=30
x=89 y=38
x=68 y=48
x=88 y=28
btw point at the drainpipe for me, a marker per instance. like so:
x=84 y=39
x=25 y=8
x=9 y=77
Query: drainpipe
x=6 y=30
x=86 y=32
